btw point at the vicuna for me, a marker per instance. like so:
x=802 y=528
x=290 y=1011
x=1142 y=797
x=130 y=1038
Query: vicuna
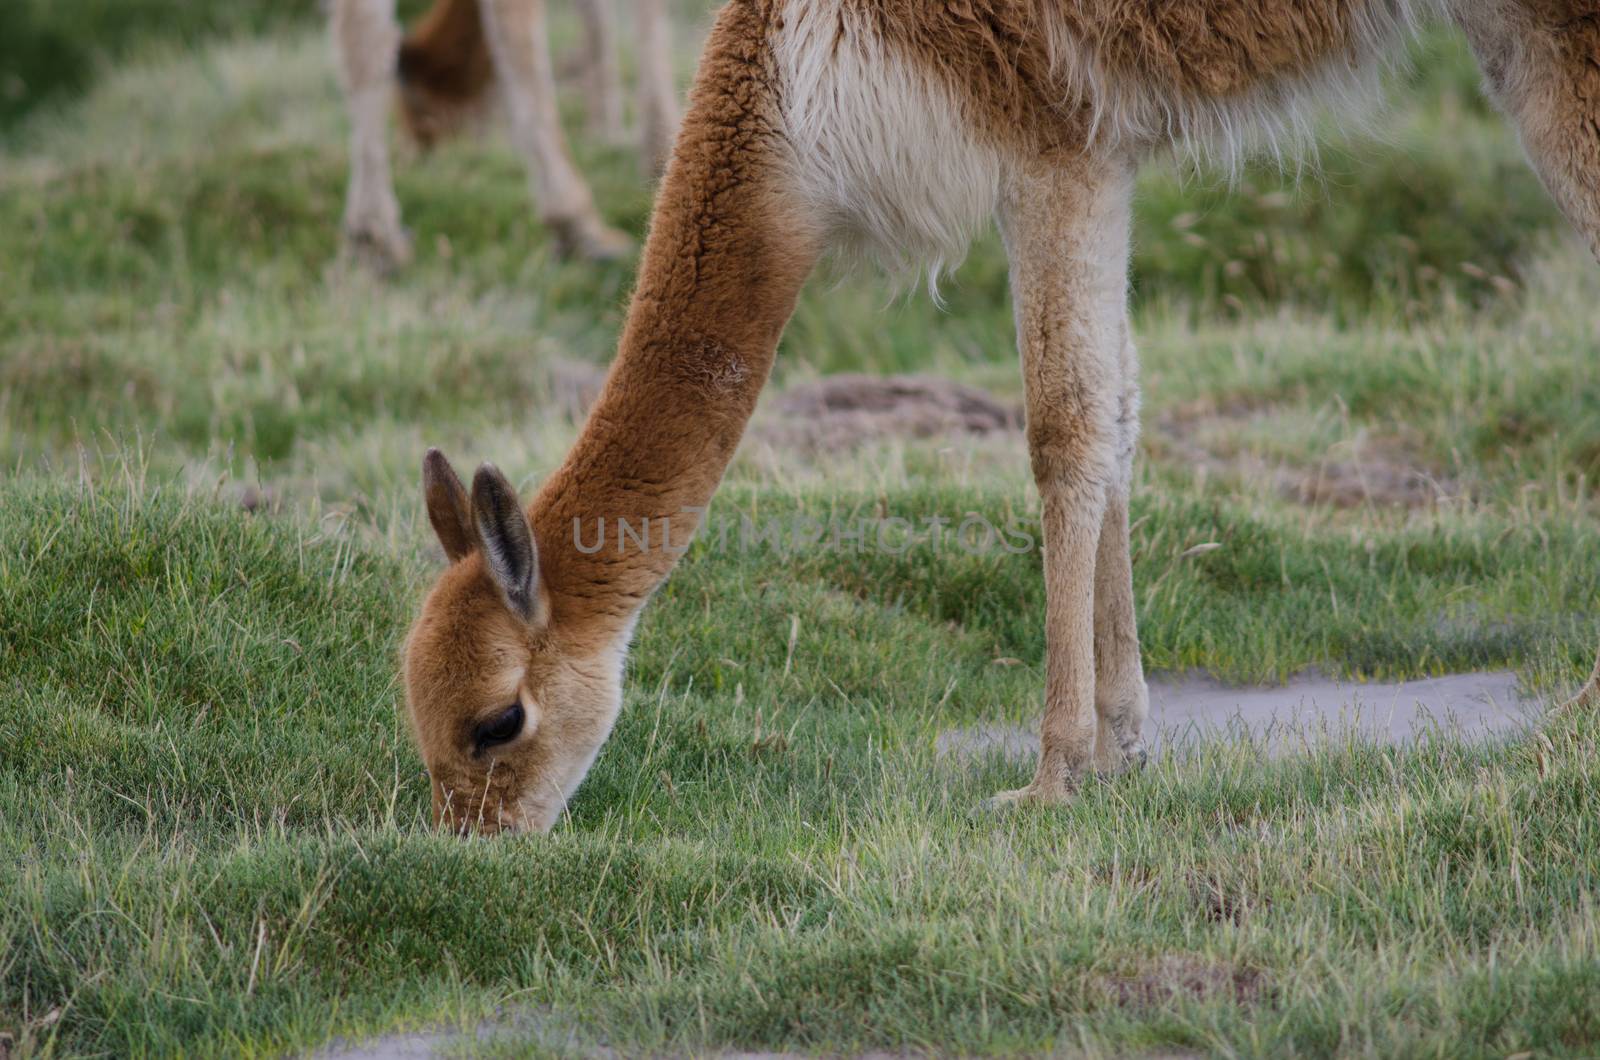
x=898 y=127
x=445 y=68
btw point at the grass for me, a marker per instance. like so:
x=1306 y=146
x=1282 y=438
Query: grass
x=1374 y=389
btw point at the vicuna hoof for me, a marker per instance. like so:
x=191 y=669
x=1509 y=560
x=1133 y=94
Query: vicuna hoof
x=379 y=251
x=1032 y=795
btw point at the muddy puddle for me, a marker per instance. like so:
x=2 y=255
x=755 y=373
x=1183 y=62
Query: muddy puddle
x=1309 y=711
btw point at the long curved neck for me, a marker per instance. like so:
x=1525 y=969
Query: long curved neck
x=728 y=251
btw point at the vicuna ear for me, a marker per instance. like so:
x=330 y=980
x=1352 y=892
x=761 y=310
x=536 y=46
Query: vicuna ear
x=508 y=549
x=448 y=508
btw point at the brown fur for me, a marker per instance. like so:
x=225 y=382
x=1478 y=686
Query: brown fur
x=725 y=262
x=524 y=616
x=445 y=71
x=1002 y=57
x=995 y=55
x=1216 y=48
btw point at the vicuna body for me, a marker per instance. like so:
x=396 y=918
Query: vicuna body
x=445 y=69
x=898 y=127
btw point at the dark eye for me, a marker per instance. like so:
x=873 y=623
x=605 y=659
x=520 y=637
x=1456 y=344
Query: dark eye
x=502 y=728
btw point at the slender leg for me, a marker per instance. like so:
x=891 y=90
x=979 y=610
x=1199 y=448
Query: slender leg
x=1066 y=231
x=520 y=47
x=1121 y=699
x=602 y=75
x=366 y=42
x=658 y=95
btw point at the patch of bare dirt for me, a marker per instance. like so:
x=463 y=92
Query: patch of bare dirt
x=263 y=499
x=1377 y=480
x=1382 y=472
x=1181 y=977
x=1222 y=900
x=840 y=412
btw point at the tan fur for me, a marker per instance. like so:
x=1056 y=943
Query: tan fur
x=658 y=109
x=365 y=37
x=1065 y=222
x=601 y=73
x=445 y=68
x=816 y=122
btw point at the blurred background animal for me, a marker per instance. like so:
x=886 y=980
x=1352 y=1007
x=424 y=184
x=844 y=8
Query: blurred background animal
x=445 y=68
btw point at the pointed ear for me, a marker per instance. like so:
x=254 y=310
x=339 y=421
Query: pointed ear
x=508 y=549
x=448 y=508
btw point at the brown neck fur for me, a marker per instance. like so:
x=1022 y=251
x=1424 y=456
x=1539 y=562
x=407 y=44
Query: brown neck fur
x=726 y=258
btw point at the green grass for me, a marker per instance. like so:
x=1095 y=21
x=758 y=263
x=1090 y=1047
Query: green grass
x=214 y=828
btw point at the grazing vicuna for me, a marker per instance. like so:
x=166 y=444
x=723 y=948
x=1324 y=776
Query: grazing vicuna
x=445 y=68
x=899 y=127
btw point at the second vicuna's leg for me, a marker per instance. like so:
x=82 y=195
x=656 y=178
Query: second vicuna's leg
x=520 y=46
x=366 y=40
x=1066 y=232
x=602 y=74
x=658 y=95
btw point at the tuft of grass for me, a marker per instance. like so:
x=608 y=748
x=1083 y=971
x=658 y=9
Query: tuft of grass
x=220 y=829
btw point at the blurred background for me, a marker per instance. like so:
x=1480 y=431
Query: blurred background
x=173 y=178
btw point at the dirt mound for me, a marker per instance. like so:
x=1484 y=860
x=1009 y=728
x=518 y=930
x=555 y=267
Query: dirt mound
x=1383 y=472
x=1179 y=977
x=1381 y=479
x=838 y=412
x=843 y=411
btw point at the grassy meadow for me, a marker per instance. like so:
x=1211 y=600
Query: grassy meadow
x=1375 y=386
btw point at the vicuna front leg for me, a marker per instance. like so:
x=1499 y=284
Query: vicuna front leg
x=520 y=47
x=366 y=42
x=1066 y=231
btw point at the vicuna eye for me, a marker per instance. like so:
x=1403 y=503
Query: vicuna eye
x=502 y=728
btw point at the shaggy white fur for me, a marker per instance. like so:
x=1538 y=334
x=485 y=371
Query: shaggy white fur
x=881 y=148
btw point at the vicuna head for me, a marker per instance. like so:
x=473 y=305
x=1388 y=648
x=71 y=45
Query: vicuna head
x=508 y=708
